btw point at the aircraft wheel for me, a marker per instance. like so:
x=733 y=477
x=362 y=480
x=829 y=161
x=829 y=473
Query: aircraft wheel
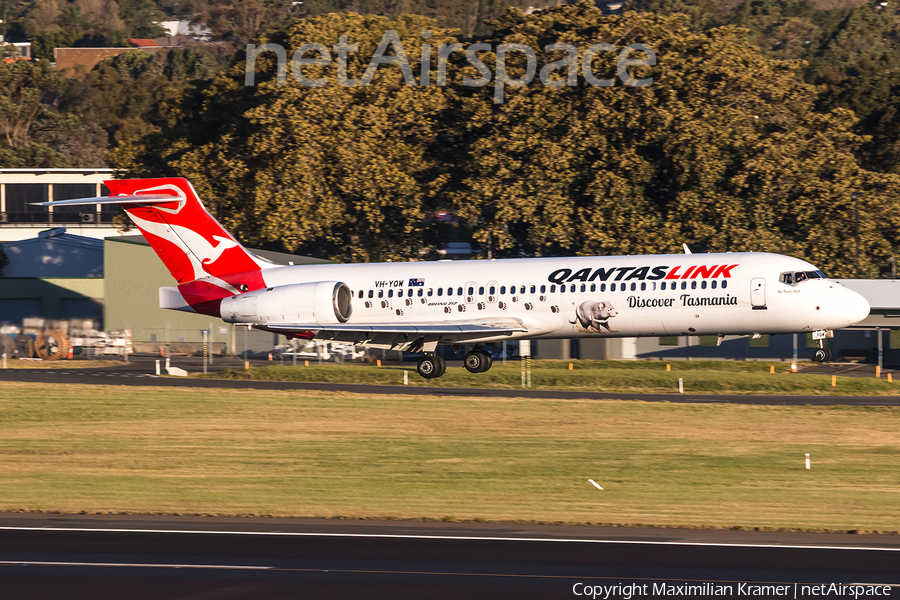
x=821 y=355
x=488 y=362
x=442 y=365
x=428 y=367
x=827 y=355
x=474 y=362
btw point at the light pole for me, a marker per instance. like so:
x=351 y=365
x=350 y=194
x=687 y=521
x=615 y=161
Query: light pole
x=856 y=228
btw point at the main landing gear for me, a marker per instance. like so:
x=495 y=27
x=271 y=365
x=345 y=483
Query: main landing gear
x=431 y=366
x=478 y=361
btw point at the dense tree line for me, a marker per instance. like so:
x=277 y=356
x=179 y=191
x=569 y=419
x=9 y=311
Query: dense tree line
x=770 y=125
x=727 y=149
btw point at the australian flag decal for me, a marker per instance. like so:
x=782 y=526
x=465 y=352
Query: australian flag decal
x=416 y=282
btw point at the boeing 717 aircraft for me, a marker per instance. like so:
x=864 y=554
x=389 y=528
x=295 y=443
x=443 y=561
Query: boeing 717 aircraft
x=416 y=306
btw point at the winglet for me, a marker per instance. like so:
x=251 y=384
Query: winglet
x=686 y=249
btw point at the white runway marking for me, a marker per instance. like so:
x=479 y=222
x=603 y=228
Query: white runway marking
x=444 y=537
x=44 y=563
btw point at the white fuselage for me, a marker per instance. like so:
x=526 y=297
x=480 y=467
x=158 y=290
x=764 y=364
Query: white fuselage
x=609 y=296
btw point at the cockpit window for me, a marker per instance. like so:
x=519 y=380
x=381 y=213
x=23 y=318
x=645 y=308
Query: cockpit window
x=798 y=277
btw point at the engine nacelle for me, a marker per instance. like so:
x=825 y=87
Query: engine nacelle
x=317 y=302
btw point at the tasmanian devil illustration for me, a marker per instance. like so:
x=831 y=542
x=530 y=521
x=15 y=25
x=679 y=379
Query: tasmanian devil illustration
x=595 y=315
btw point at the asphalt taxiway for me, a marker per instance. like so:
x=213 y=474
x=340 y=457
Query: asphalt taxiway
x=102 y=556
x=142 y=373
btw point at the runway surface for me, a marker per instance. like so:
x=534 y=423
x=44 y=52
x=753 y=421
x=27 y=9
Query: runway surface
x=91 y=556
x=142 y=373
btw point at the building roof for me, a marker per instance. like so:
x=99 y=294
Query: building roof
x=55 y=253
x=140 y=43
x=882 y=294
x=281 y=258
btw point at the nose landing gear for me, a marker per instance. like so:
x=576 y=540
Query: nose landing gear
x=822 y=354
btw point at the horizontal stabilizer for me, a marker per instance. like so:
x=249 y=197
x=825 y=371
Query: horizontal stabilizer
x=123 y=199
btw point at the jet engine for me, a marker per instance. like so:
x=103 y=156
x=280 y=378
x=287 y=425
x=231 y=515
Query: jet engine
x=316 y=302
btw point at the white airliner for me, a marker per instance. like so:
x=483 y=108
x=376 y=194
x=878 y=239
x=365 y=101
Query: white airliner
x=416 y=306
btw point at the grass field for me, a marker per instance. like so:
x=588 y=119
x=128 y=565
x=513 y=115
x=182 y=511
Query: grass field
x=14 y=363
x=245 y=452
x=729 y=377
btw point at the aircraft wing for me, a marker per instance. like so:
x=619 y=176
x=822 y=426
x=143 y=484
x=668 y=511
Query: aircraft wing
x=409 y=336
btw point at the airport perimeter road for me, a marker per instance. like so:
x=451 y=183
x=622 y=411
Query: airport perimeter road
x=143 y=374
x=98 y=557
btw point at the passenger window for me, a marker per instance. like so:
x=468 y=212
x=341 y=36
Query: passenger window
x=552 y=289
x=713 y=284
x=612 y=287
x=633 y=287
x=562 y=289
x=360 y=293
x=533 y=289
x=522 y=289
x=420 y=293
x=502 y=289
x=493 y=290
x=440 y=291
x=662 y=286
x=381 y=293
x=572 y=288
x=602 y=287
x=459 y=291
x=684 y=285
x=593 y=287
x=653 y=286
x=703 y=284
x=390 y=293
x=449 y=291
x=399 y=293
x=694 y=285
x=724 y=284
x=471 y=291
x=643 y=286
x=543 y=289
x=481 y=291
x=430 y=292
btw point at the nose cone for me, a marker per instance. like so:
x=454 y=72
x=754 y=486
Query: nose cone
x=856 y=307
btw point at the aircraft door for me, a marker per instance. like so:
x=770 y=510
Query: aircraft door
x=491 y=291
x=471 y=292
x=758 y=293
